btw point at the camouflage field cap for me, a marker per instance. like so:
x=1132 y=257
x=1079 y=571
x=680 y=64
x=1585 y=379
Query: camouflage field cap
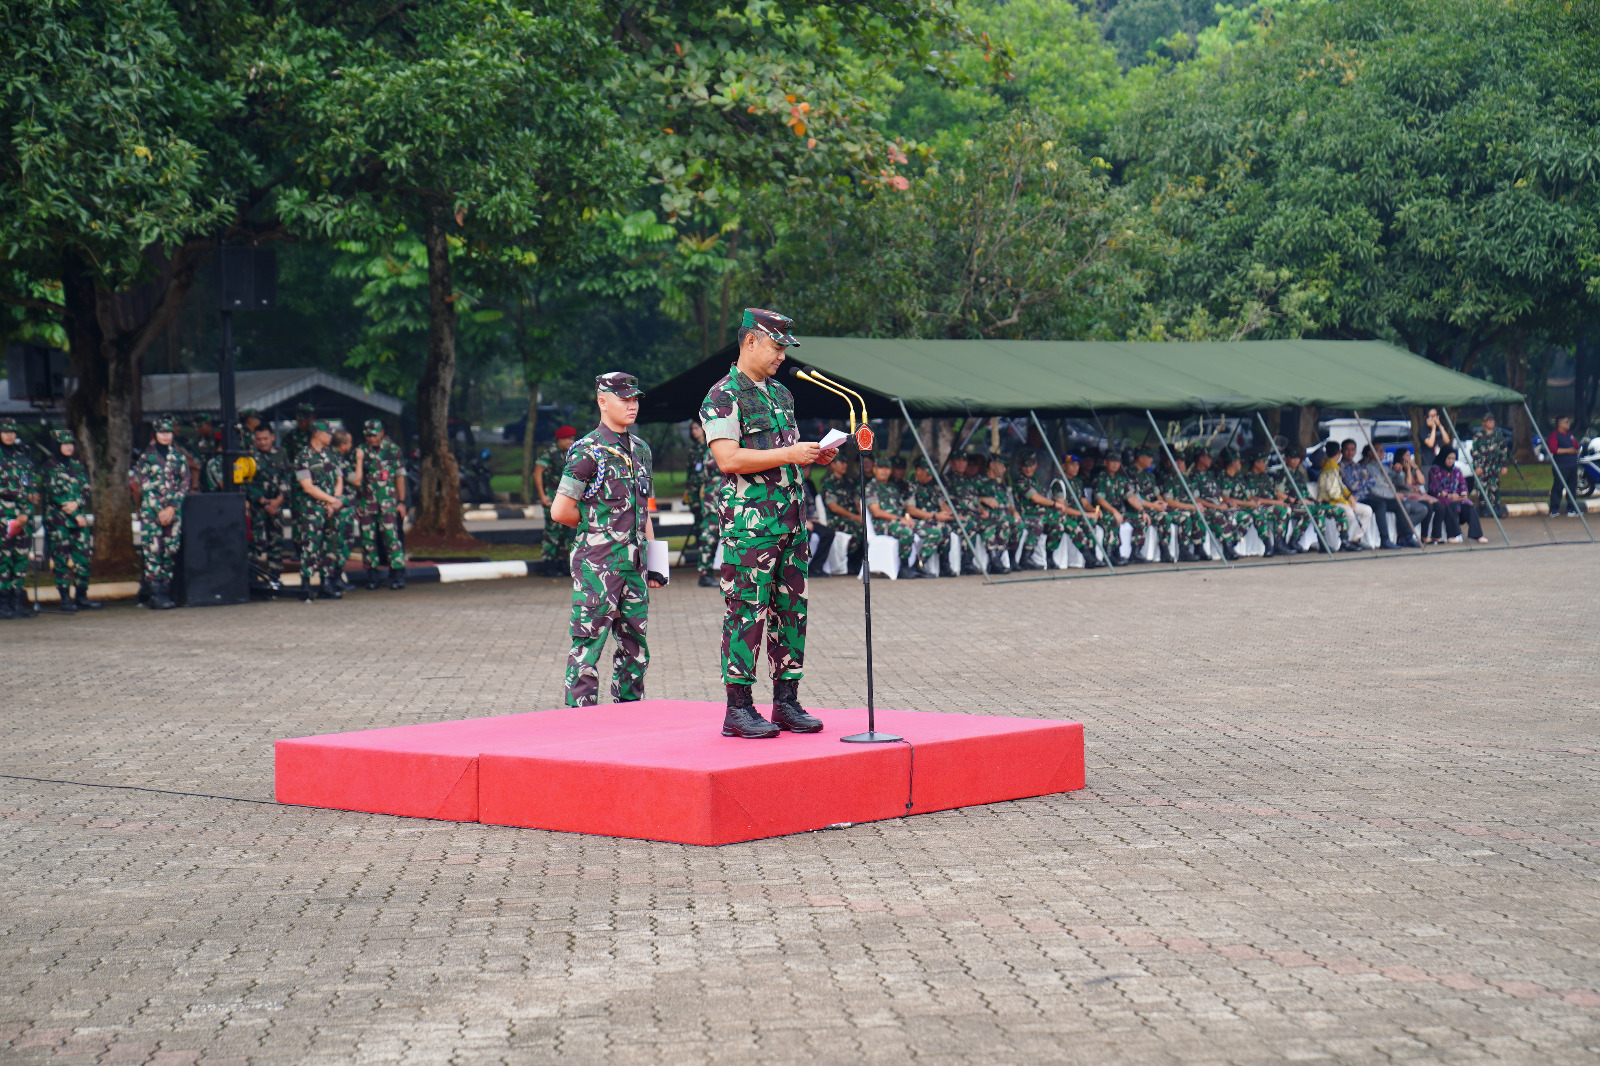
x=305 y=408
x=625 y=386
x=922 y=463
x=1026 y=456
x=1226 y=456
x=161 y=425
x=320 y=426
x=897 y=462
x=204 y=418
x=8 y=425
x=246 y=412
x=564 y=432
x=772 y=324
x=62 y=436
x=372 y=426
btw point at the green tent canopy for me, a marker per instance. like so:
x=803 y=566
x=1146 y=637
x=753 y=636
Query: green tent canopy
x=943 y=378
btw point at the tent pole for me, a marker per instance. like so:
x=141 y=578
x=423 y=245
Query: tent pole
x=1198 y=510
x=933 y=469
x=1483 y=492
x=1555 y=468
x=1105 y=556
x=1294 y=483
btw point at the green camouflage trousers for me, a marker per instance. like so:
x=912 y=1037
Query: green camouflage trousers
x=14 y=557
x=995 y=533
x=899 y=531
x=313 y=536
x=707 y=535
x=934 y=542
x=1491 y=487
x=380 y=535
x=764 y=586
x=1040 y=524
x=1081 y=532
x=557 y=538
x=69 y=546
x=266 y=542
x=159 y=545
x=615 y=602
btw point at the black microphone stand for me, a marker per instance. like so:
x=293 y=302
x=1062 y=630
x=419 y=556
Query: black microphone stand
x=863 y=439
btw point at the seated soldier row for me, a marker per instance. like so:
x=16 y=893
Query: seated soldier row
x=1012 y=515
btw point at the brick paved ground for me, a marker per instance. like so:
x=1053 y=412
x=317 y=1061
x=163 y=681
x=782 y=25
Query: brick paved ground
x=1342 y=812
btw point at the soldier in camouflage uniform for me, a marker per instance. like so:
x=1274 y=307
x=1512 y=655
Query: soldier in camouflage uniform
x=300 y=435
x=1207 y=486
x=998 y=525
x=1490 y=458
x=935 y=521
x=381 y=505
x=841 y=495
x=886 y=503
x=318 y=499
x=343 y=534
x=1275 y=515
x=964 y=482
x=68 y=535
x=1185 y=518
x=750 y=424
x=1080 y=515
x=18 y=495
x=701 y=492
x=605 y=493
x=1116 y=491
x=162 y=478
x=547 y=470
x=1147 y=487
x=265 y=495
x=1236 y=495
x=1040 y=515
x=1307 y=512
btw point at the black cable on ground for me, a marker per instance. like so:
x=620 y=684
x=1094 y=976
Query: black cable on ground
x=911 y=772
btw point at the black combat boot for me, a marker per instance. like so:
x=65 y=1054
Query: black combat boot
x=307 y=593
x=397 y=577
x=945 y=569
x=372 y=578
x=708 y=582
x=998 y=564
x=742 y=719
x=342 y=582
x=144 y=592
x=8 y=609
x=1185 y=552
x=160 y=598
x=969 y=566
x=67 y=606
x=329 y=589
x=84 y=602
x=1166 y=553
x=1229 y=552
x=909 y=571
x=787 y=712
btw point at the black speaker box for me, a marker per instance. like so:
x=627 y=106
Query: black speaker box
x=213 y=560
x=247 y=279
x=36 y=372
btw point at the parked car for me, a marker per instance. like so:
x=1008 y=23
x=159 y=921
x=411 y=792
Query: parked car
x=544 y=430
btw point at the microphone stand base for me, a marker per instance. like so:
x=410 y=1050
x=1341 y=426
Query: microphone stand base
x=870 y=737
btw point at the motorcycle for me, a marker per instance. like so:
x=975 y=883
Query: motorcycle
x=475 y=474
x=1588 y=467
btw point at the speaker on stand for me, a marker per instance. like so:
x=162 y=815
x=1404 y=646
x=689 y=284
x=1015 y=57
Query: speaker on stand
x=213 y=558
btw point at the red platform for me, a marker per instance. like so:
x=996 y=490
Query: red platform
x=658 y=770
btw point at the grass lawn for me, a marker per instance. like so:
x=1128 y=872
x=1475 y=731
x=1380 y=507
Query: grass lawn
x=669 y=483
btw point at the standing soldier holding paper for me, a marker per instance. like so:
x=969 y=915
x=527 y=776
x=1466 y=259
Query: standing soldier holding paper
x=381 y=503
x=605 y=492
x=750 y=426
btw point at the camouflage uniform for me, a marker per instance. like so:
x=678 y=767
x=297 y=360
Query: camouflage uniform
x=705 y=491
x=1207 y=487
x=1037 y=520
x=1489 y=455
x=610 y=476
x=843 y=492
x=1080 y=527
x=313 y=525
x=890 y=495
x=1274 y=521
x=1304 y=508
x=1235 y=487
x=934 y=535
x=163 y=477
x=266 y=530
x=69 y=536
x=342 y=531
x=557 y=537
x=17 y=483
x=1147 y=484
x=1187 y=522
x=999 y=531
x=1114 y=490
x=766 y=546
x=378 y=505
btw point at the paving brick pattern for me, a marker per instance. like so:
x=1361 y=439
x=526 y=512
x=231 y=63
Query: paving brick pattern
x=1343 y=812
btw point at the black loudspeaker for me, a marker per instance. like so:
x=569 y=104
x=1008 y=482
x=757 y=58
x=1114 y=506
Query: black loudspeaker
x=36 y=373
x=213 y=558
x=247 y=279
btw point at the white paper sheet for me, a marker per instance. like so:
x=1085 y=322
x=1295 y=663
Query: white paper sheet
x=832 y=439
x=656 y=559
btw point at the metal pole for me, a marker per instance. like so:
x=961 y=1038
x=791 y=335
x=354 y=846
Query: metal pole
x=962 y=526
x=229 y=414
x=1070 y=490
x=1483 y=492
x=1197 y=508
x=1294 y=483
x=1555 y=468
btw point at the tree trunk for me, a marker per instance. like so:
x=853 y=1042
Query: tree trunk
x=527 y=443
x=1310 y=432
x=994 y=435
x=439 y=509
x=1517 y=378
x=896 y=430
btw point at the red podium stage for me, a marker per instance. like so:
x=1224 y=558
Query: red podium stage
x=658 y=770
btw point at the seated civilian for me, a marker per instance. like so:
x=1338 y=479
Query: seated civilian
x=1383 y=500
x=1448 y=485
x=1411 y=484
x=1331 y=490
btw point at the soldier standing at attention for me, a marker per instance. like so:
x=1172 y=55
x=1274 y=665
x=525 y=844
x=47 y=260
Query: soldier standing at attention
x=1489 y=458
x=66 y=523
x=702 y=485
x=381 y=500
x=547 y=471
x=749 y=421
x=265 y=494
x=343 y=530
x=605 y=493
x=318 y=499
x=161 y=478
x=17 y=497
x=300 y=435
